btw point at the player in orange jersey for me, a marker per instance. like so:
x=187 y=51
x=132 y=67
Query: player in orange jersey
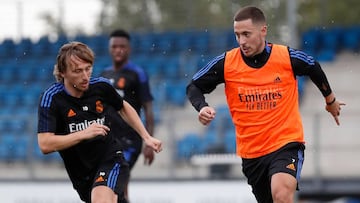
x=262 y=95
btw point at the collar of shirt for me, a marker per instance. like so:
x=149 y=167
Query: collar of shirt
x=258 y=60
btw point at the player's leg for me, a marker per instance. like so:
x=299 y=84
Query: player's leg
x=256 y=172
x=83 y=188
x=132 y=154
x=132 y=151
x=110 y=179
x=103 y=194
x=283 y=187
x=285 y=172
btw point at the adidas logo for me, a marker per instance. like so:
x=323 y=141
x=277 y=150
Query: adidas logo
x=277 y=79
x=71 y=113
x=99 y=179
x=291 y=166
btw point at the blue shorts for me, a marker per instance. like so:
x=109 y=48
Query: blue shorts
x=132 y=147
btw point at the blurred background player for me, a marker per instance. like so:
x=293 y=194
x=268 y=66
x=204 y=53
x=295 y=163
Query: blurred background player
x=131 y=82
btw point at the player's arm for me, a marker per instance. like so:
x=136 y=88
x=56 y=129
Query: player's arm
x=205 y=81
x=303 y=64
x=128 y=113
x=149 y=116
x=146 y=99
x=147 y=105
x=50 y=142
x=149 y=125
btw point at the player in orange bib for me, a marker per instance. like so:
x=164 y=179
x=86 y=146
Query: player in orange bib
x=262 y=94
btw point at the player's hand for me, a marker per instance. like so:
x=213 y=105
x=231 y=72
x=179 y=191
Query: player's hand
x=95 y=129
x=149 y=155
x=154 y=144
x=206 y=115
x=334 y=110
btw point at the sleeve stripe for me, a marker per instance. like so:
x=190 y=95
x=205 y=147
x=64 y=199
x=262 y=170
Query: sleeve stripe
x=207 y=67
x=302 y=56
x=49 y=93
x=99 y=79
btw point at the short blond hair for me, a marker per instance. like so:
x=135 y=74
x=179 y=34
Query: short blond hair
x=77 y=49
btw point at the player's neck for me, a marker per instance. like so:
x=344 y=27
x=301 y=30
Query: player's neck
x=73 y=91
x=119 y=65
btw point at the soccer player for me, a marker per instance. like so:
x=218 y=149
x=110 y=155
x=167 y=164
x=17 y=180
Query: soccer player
x=132 y=83
x=75 y=119
x=262 y=95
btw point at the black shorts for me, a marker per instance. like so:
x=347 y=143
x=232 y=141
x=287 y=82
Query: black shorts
x=113 y=173
x=132 y=147
x=288 y=159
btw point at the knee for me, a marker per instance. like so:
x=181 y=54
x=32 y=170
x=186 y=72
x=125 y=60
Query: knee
x=283 y=195
x=283 y=187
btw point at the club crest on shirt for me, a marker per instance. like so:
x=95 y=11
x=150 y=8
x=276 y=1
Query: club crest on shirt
x=99 y=107
x=121 y=83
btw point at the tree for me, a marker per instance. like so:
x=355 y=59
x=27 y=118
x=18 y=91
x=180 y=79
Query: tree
x=161 y=15
x=327 y=13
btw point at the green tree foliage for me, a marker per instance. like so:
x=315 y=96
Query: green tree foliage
x=160 y=15
x=168 y=15
x=328 y=13
x=165 y=15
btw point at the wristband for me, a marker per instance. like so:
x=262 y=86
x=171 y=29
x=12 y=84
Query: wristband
x=329 y=103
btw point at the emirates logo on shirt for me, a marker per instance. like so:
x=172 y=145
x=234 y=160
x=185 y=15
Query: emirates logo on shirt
x=256 y=99
x=74 y=127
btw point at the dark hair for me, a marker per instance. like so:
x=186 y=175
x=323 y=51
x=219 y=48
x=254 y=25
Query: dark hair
x=63 y=61
x=250 y=12
x=120 y=33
